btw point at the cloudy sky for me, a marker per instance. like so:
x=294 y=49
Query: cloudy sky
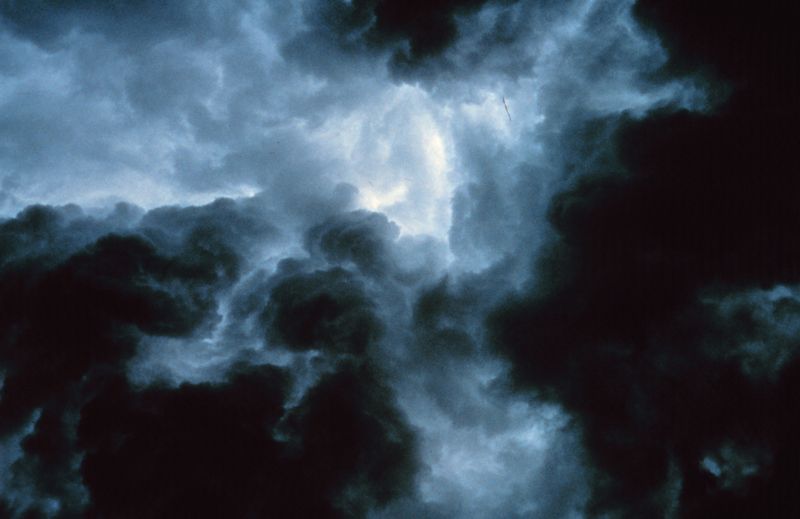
x=399 y=258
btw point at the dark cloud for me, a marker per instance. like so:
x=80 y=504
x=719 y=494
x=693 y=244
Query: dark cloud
x=357 y=450
x=415 y=32
x=427 y=28
x=621 y=328
x=200 y=451
x=211 y=450
x=351 y=450
x=439 y=311
x=76 y=298
x=748 y=47
x=276 y=352
x=71 y=309
x=80 y=294
x=323 y=310
x=58 y=323
x=358 y=238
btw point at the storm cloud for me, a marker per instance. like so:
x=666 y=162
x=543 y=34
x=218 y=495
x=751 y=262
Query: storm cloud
x=639 y=320
x=384 y=259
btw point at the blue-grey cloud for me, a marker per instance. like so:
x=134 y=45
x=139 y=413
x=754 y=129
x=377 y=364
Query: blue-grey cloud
x=373 y=258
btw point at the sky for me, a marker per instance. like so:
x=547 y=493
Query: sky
x=386 y=259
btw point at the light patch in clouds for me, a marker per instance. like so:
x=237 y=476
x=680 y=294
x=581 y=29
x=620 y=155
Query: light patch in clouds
x=487 y=453
x=473 y=462
x=397 y=149
x=177 y=122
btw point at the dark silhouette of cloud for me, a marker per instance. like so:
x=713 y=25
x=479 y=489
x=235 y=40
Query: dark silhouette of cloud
x=622 y=327
x=76 y=306
x=324 y=310
x=359 y=238
x=425 y=28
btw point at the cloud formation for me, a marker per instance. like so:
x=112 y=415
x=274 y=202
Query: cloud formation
x=296 y=259
x=668 y=266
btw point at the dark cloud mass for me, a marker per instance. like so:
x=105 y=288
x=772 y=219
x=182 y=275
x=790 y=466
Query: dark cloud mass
x=73 y=315
x=324 y=310
x=426 y=28
x=210 y=451
x=385 y=259
x=622 y=327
